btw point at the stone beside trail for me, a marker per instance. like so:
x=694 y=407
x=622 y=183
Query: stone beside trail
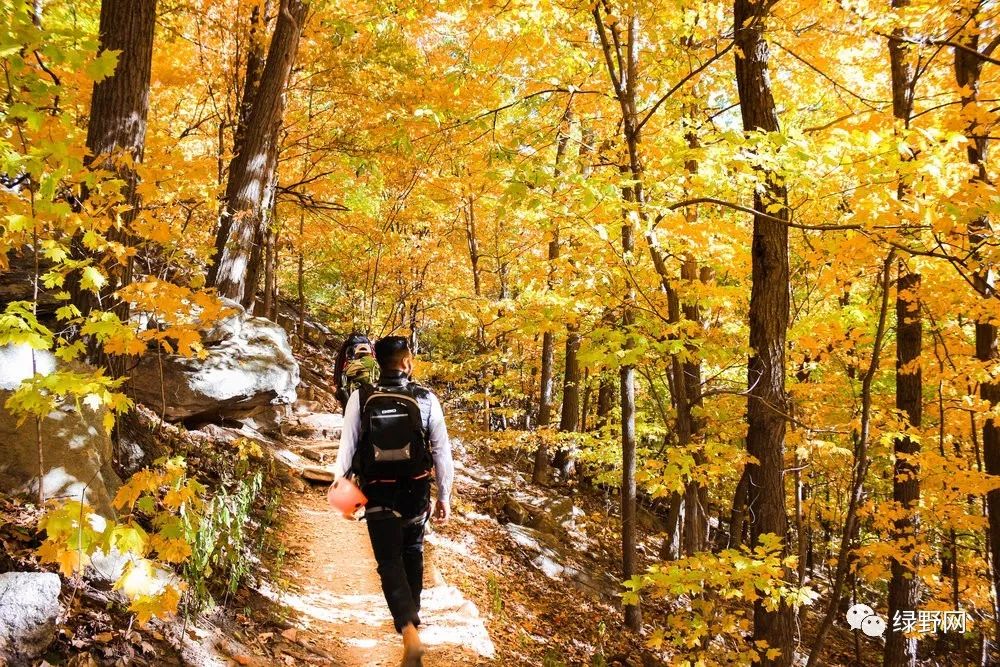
x=29 y=609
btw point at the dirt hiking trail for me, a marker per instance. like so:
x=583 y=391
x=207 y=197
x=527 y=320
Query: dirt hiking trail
x=334 y=588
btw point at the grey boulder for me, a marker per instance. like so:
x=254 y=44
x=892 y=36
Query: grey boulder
x=247 y=367
x=29 y=609
x=76 y=449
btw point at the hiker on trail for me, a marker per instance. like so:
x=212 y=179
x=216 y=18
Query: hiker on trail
x=355 y=366
x=394 y=436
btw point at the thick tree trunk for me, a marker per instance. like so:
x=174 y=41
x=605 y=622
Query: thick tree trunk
x=767 y=402
x=668 y=548
x=570 y=418
x=968 y=69
x=116 y=136
x=258 y=253
x=120 y=103
x=633 y=617
x=903 y=584
x=254 y=70
x=904 y=593
x=251 y=170
x=546 y=382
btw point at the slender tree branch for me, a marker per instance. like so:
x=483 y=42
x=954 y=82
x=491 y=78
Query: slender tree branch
x=690 y=75
x=747 y=209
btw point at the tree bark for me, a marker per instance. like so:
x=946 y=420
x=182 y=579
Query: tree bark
x=251 y=170
x=901 y=650
x=473 y=241
x=605 y=399
x=254 y=70
x=621 y=57
x=632 y=195
x=570 y=418
x=540 y=474
x=569 y=421
x=541 y=471
x=968 y=70
x=269 y=303
x=769 y=303
x=695 y=493
x=116 y=138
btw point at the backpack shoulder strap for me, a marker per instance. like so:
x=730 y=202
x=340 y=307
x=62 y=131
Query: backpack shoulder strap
x=365 y=392
x=421 y=395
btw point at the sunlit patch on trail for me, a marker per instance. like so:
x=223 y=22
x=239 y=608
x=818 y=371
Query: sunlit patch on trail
x=449 y=618
x=321 y=605
x=361 y=643
x=335 y=595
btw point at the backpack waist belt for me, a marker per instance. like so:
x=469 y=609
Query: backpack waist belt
x=393 y=481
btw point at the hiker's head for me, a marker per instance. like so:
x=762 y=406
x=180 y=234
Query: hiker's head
x=361 y=350
x=393 y=354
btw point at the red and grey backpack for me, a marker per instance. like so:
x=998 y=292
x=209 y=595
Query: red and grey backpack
x=394 y=443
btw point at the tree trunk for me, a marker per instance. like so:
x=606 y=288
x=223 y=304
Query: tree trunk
x=766 y=404
x=904 y=594
x=251 y=170
x=116 y=138
x=570 y=418
x=470 y=233
x=569 y=421
x=968 y=69
x=696 y=495
x=668 y=549
x=541 y=472
x=269 y=302
x=258 y=252
x=301 y=283
x=254 y=70
x=621 y=56
x=605 y=399
x=903 y=584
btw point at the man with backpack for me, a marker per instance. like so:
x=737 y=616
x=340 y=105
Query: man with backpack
x=394 y=436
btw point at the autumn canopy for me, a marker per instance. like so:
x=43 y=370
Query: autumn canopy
x=730 y=261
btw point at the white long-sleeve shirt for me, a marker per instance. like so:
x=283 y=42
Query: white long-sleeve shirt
x=444 y=469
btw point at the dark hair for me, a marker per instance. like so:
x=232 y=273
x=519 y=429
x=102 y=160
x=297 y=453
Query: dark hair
x=390 y=351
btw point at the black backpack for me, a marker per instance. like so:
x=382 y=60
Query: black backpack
x=393 y=444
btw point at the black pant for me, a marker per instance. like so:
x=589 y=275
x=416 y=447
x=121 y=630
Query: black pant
x=397 y=513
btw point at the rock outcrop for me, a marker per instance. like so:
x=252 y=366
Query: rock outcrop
x=76 y=448
x=248 y=367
